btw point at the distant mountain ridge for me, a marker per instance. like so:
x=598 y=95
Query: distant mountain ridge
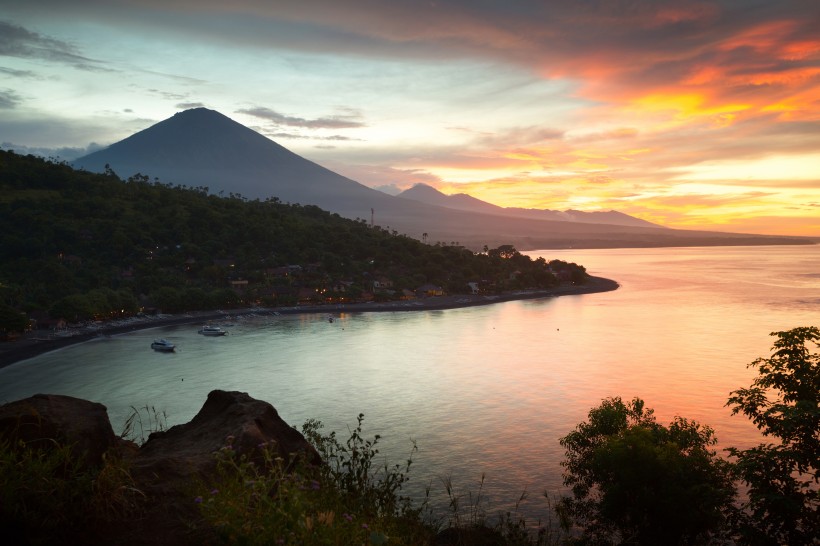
x=203 y=148
x=462 y=201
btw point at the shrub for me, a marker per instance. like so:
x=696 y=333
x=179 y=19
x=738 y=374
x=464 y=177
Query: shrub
x=346 y=500
x=635 y=481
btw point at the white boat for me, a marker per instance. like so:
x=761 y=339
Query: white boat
x=163 y=345
x=212 y=331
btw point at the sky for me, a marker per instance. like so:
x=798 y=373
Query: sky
x=691 y=114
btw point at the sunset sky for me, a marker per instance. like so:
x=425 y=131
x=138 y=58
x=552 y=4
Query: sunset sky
x=686 y=113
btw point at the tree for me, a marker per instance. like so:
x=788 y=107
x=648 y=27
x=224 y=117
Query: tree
x=168 y=299
x=504 y=251
x=635 y=481
x=12 y=320
x=784 y=403
x=72 y=308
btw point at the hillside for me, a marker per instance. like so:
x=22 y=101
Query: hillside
x=83 y=242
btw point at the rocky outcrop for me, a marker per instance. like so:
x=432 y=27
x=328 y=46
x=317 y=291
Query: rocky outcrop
x=44 y=419
x=227 y=420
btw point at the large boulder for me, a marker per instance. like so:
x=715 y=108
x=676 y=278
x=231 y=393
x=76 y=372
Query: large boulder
x=45 y=420
x=170 y=463
x=227 y=420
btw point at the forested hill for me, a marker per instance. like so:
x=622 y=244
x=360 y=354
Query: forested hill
x=85 y=245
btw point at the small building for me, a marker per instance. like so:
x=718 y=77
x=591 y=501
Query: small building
x=43 y=321
x=239 y=284
x=308 y=296
x=382 y=283
x=429 y=290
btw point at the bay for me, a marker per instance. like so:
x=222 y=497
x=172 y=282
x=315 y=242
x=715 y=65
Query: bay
x=481 y=390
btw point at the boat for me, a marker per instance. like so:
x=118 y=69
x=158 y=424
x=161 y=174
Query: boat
x=163 y=345
x=212 y=331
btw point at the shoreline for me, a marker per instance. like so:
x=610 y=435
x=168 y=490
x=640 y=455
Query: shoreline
x=34 y=344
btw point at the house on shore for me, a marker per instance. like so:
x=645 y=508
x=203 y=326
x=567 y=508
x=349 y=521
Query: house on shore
x=429 y=290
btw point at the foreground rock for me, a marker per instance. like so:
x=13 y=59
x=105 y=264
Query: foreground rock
x=165 y=469
x=42 y=419
x=228 y=420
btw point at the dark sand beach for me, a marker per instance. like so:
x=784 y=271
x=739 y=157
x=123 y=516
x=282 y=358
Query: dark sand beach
x=38 y=342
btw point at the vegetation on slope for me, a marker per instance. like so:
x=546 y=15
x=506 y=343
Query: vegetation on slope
x=86 y=245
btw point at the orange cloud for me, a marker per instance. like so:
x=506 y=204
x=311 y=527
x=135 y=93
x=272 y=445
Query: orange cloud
x=803 y=49
x=763 y=37
x=760 y=68
x=688 y=106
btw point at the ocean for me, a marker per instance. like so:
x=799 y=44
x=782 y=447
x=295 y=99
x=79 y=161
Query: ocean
x=481 y=390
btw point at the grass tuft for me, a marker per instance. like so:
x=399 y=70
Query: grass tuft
x=142 y=422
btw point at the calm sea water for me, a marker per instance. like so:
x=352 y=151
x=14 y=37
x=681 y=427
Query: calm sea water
x=483 y=390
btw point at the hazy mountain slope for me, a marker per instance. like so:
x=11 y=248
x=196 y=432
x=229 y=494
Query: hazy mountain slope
x=612 y=217
x=462 y=201
x=202 y=147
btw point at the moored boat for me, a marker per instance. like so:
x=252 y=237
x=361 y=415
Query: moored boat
x=212 y=331
x=163 y=345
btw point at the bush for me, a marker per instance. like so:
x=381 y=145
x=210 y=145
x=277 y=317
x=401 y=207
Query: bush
x=635 y=481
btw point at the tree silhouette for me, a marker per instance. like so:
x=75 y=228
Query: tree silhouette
x=784 y=403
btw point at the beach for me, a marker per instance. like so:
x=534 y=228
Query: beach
x=37 y=342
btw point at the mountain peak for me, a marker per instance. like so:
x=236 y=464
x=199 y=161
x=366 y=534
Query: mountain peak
x=200 y=138
x=200 y=113
x=421 y=188
x=197 y=111
x=200 y=147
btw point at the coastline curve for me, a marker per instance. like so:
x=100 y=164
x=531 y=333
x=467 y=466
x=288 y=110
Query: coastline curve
x=30 y=345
